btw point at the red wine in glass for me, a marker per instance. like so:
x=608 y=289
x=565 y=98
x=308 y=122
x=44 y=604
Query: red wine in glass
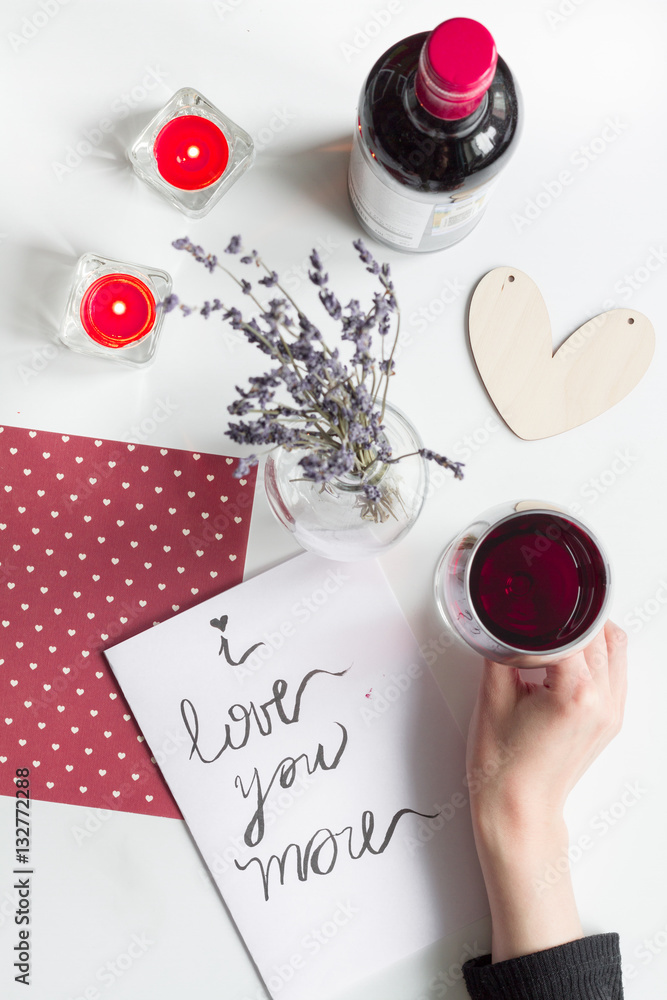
x=524 y=585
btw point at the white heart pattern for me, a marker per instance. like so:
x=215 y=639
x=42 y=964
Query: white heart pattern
x=166 y=554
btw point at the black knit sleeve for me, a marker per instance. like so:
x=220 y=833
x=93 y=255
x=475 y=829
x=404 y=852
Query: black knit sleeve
x=587 y=969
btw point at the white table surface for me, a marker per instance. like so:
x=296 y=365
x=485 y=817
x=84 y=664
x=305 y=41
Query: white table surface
x=290 y=73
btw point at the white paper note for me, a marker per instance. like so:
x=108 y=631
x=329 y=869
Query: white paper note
x=318 y=768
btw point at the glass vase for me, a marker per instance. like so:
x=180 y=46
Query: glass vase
x=336 y=520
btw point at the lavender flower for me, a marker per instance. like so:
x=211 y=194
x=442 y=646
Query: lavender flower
x=244 y=466
x=234 y=245
x=169 y=303
x=210 y=261
x=269 y=280
x=368 y=258
x=431 y=456
x=317 y=275
x=322 y=467
x=331 y=303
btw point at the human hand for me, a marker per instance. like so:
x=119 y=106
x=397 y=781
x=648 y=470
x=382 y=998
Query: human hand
x=528 y=745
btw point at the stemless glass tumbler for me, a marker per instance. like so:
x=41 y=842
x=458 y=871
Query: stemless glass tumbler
x=525 y=584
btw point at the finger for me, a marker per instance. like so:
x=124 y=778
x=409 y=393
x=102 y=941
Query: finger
x=617 y=652
x=498 y=684
x=597 y=658
x=566 y=675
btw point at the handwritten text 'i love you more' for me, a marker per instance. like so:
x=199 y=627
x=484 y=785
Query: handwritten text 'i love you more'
x=320 y=853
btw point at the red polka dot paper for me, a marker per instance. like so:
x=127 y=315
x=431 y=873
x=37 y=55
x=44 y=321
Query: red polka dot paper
x=99 y=540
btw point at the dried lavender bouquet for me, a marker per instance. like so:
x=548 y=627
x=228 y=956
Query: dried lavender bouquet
x=311 y=398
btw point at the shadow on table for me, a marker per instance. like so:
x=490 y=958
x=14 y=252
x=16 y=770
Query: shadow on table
x=457 y=668
x=111 y=152
x=319 y=173
x=452 y=884
x=35 y=307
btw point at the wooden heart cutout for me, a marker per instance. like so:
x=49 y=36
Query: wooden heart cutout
x=538 y=393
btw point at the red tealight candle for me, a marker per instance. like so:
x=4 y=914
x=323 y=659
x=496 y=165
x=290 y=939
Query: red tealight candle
x=117 y=310
x=191 y=152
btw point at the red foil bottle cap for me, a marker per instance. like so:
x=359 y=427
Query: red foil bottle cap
x=456 y=67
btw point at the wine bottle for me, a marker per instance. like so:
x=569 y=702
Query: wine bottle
x=439 y=117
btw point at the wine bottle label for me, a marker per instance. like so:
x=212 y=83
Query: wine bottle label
x=460 y=209
x=392 y=216
x=403 y=219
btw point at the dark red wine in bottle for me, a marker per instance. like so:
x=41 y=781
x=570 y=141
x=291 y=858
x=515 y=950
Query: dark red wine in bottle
x=538 y=581
x=438 y=118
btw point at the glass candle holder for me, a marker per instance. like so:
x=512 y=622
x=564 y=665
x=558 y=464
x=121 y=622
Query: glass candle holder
x=112 y=310
x=192 y=153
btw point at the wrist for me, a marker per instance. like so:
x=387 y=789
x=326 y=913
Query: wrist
x=532 y=856
x=506 y=823
x=525 y=863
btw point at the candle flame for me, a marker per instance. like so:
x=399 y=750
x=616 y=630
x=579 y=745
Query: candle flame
x=193 y=151
x=118 y=308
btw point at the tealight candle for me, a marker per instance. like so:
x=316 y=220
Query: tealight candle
x=112 y=309
x=117 y=310
x=191 y=153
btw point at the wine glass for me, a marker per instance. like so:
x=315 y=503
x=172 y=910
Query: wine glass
x=525 y=584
